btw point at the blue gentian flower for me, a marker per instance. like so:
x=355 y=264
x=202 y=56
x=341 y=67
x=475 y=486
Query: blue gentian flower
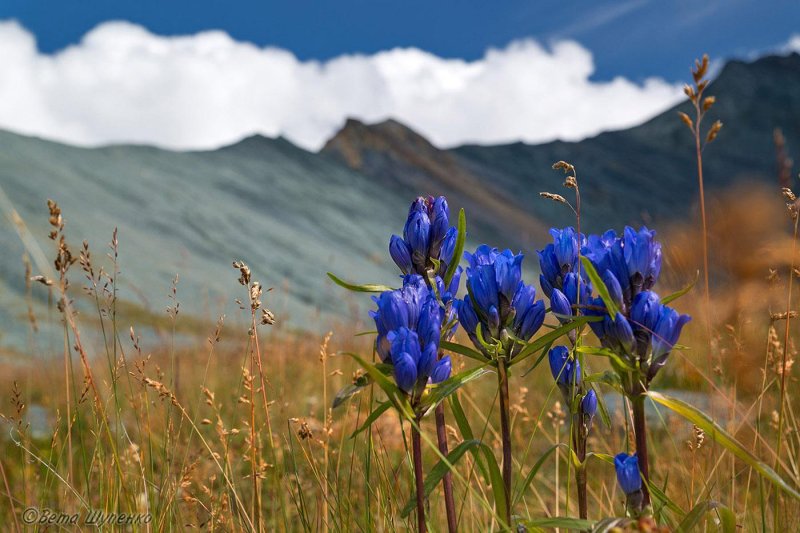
x=630 y=266
x=560 y=305
x=556 y=260
x=606 y=254
x=634 y=260
x=401 y=254
x=642 y=257
x=409 y=322
x=442 y=370
x=498 y=300
x=564 y=369
x=665 y=335
x=589 y=404
x=427 y=236
x=627 y=467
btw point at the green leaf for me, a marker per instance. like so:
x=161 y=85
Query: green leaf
x=360 y=383
x=498 y=489
x=462 y=350
x=713 y=430
x=466 y=432
x=439 y=470
x=606 y=378
x=436 y=393
x=459 y=249
x=675 y=295
x=534 y=470
x=666 y=501
x=550 y=337
x=608 y=524
x=697 y=516
x=358 y=288
x=606 y=458
x=350 y=390
x=601 y=288
x=565 y=522
x=373 y=416
x=393 y=392
x=605 y=352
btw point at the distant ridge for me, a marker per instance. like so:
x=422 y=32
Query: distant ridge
x=645 y=173
x=293 y=214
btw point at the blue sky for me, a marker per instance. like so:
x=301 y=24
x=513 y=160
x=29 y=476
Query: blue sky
x=200 y=74
x=632 y=38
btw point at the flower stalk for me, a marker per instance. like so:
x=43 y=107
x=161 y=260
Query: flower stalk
x=418 y=475
x=447 y=480
x=505 y=429
x=640 y=433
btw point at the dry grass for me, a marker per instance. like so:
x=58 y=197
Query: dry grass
x=233 y=430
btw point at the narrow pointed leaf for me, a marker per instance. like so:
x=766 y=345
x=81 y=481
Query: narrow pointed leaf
x=600 y=286
x=459 y=249
x=437 y=393
x=358 y=385
x=533 y=471
x=439 y=470
x=565 y=522
x=550 y=337
x=395 y=395
x=677 y=294
x=466 y=432
x=373 y=416
x=369 y=287
x=462 y=350
x=697 y=516
x=713 y=430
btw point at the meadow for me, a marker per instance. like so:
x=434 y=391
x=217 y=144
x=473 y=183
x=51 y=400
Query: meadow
x=244 y=424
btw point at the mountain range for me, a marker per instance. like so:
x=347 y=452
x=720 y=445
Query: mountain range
x=292 y=215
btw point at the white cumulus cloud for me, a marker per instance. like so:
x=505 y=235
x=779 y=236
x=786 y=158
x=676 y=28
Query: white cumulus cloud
x=123 y=84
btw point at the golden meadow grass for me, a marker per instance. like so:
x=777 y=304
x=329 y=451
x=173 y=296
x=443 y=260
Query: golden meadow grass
x=228 y=425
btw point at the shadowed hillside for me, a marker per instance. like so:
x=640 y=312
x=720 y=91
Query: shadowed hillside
x=293 y=215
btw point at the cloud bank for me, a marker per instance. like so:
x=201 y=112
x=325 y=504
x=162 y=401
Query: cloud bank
x=123 y=84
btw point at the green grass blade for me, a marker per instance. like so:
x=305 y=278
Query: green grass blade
x=677 y=294
x=373 y=416
x=393 y=392
x=498 y=489
x=565 y=522
x=466 y=432
x=462 y=350
x=459 y=249
x=698 y=514
x=600 y=287
x=722 y=437
x=550 y=337
x=439 y=470
x=369 y=287
x=532 y=474
x=437 y=393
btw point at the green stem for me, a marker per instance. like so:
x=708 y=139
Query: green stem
x=447 y=480
x=505 y=427
x=579 y=442
x=418 y=477
x=640 y=430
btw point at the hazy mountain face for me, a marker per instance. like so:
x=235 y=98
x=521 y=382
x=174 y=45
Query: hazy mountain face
x=293 y=215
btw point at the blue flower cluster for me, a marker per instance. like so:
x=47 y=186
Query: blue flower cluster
x=427 y=238
x=566 y=372
x=409 y=322
x=644 y=330
x=499 y=307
